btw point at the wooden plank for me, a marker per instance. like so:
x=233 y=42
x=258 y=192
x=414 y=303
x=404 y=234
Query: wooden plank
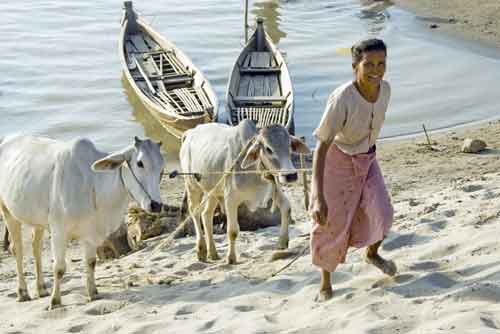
x=145 y=76
x=243 y=86
x=268 y=99
x=187 y=99
x=152 y=43
x=269 y=70
x=246 y=62
x=139 y=43
x=258 y=84
x=203 y=97
x=170 y=99
x=261 y=59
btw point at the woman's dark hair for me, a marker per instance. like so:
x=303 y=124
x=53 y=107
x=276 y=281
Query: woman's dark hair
x=367 y=45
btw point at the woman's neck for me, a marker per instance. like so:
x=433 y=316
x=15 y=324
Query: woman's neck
x=369 y=92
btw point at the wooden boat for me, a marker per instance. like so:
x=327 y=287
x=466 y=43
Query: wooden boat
x=163 y=77
x=259 y=86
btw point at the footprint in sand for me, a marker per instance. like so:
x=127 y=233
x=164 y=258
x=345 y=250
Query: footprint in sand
x=404 y=240
x=187 y=309
x=76 y=328
x=449 y=213
x=483 y=292
x=196 y=266
x=271 y=318
x=244 y=308
x=282 y=284
x=424 y=266
x=472 y=188
x=102 y=307
x=207 y=325
x=424 y=286
x=439 y=225
x=489 y=320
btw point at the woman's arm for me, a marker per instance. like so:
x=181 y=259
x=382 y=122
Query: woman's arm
x=319 y=209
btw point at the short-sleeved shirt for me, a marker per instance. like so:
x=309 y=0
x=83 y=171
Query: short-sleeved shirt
x=350 y=121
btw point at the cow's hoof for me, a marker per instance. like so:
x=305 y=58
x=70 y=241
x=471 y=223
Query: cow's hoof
x=202 y=256
x=213 y=256
x=42 y=292
x=283 y=243
x=231 y=259
x=93 y=295
x=54 y=303
x=23 y=296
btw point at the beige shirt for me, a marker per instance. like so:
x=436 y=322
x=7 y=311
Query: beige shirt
x=351 y=121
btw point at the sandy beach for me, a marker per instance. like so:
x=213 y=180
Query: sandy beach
x=444 y=241
x=472 y=20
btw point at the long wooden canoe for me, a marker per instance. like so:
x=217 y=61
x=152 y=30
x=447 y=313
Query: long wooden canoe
x=259 y=86
x=163 y=77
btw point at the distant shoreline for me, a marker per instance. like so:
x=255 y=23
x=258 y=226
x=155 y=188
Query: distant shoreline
x=474 y=21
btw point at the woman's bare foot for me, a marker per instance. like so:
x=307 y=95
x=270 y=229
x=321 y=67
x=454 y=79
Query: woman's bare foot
x=324 y=295
x=388 y=267
x=325 y=289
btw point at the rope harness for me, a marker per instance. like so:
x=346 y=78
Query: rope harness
x=136 y=180
x=195 y=212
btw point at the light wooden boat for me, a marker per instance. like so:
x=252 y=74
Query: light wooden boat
x=259 y=86
x=163 y=77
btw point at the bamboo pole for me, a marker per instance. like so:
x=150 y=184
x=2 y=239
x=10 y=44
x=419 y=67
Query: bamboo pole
x=304 y=178
x=246 y=22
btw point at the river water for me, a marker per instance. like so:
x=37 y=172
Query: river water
x=61 y=76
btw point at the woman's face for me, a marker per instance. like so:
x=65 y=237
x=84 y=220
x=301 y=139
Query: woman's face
x=371 y=69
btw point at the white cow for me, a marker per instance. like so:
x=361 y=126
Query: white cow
x=76 y=191
x=212 y=148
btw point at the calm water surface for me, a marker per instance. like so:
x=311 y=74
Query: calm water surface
x=61 y=74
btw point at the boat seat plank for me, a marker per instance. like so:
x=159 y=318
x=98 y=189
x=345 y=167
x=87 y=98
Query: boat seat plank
x=268 y=70
x=243 y=99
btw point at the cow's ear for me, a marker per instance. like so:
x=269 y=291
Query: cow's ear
x=251 y=156
x=298 y=146
x=112 y=161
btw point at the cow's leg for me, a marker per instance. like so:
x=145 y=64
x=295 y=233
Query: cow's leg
x=16 y=238
x=58 y=243
x=90 y=262
x=207 y=216
x=194 y=199
x=232 y=227
x=37 y=245
x=286 y=212
x=6 y=241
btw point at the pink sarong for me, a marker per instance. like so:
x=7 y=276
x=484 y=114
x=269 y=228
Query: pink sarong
x=359 y=208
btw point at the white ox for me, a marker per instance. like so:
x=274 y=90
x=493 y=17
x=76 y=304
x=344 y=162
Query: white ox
x=212 y=148
x=48 y=183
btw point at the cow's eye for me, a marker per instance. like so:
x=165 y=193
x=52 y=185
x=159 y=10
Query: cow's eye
x=268 y=150
x=140 y=164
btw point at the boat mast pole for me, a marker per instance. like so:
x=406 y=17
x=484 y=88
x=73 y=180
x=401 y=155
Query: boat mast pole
x=246 y=22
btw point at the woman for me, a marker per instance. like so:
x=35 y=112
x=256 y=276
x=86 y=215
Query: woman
x=350 y=205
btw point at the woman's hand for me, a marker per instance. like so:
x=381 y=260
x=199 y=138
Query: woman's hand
x=318 y=210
